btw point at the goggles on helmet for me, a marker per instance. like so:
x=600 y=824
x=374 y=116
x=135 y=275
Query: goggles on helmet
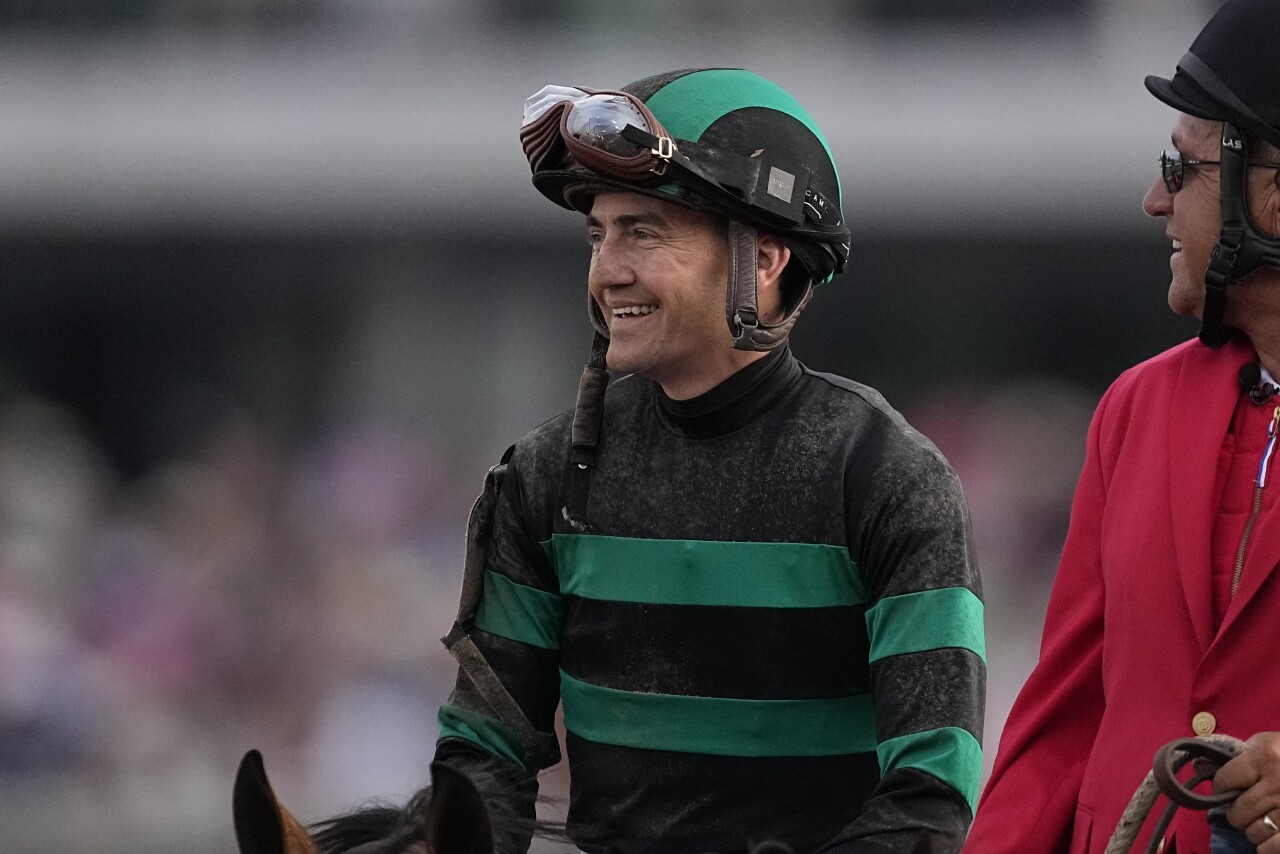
x=615 y=135
x=593 y=126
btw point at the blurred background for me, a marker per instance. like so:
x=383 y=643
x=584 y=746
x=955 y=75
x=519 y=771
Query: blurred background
x=275 y=291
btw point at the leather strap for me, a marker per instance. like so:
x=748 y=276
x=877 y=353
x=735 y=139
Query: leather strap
x=538 y=748
x=1210 y=752
x=742 y=305
x=584 y=434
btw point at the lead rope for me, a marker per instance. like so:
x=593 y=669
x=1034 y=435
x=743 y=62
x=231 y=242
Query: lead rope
x=1210 y=752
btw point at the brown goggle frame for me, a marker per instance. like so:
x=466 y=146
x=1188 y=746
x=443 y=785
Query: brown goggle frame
x=540 y=140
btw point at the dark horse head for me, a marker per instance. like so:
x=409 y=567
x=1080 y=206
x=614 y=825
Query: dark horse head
x=448 y=817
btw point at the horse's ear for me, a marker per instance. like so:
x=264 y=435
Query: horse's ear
x=457 y=819
x=263 y=826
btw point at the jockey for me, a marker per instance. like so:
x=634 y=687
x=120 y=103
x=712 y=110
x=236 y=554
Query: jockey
x=750 y=586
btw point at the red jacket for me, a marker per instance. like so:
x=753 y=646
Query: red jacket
x=1129 y=655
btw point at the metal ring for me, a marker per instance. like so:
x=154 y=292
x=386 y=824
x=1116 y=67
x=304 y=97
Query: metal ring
x=1271 y=825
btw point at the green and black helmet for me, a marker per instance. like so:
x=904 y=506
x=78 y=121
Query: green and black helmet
x=723 y=140
x=720 y=139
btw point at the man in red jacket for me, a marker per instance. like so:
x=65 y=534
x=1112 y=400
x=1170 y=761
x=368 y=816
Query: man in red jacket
x=1165 y=616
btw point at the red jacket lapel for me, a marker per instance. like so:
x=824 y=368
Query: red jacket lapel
x=1204 y=397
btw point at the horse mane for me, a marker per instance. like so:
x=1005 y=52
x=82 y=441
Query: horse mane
x=363 y=827
x=457 y=814
x=385 y=829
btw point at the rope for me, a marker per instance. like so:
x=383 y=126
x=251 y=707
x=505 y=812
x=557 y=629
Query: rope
x=1210 y=753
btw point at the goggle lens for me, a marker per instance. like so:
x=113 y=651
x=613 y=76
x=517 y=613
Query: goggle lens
x=598 y=121
x=591 y=125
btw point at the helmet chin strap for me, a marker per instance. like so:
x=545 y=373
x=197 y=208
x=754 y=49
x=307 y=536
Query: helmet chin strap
x=598 y=322
x=741 y=306
x=1242 y=247
x=584 y=433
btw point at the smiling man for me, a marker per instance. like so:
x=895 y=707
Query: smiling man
x=658 y=271
x=750 y=585
x=1162 y=623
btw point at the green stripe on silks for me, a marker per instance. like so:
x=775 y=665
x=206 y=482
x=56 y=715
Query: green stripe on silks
x=701 y=572
x=481 y=730
x=718 y=726
x=520 y=613
x=950 y=617
x=949 y=753
x=690 y=104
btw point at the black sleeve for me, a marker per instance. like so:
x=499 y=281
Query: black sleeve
x=928 y=670
x=516 y=630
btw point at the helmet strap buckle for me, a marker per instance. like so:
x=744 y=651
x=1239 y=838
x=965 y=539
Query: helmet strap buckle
x=665 y=150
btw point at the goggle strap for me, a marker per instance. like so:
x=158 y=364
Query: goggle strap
x=742 y=177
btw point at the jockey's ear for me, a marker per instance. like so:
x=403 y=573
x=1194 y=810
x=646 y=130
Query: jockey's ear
x=457 y=819
x=263 y=826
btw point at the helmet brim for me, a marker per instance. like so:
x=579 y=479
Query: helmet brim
x=1197 y=90
x=1183 y=96
x=576 y=188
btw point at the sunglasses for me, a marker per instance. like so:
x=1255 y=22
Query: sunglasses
x=1173 y=165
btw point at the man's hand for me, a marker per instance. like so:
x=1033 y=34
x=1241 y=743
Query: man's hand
x=1256 y=774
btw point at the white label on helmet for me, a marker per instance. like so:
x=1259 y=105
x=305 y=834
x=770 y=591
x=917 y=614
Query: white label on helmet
x=781 y=184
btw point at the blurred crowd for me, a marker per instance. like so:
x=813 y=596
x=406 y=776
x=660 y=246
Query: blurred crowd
x=248 y=594
x=245 y=595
